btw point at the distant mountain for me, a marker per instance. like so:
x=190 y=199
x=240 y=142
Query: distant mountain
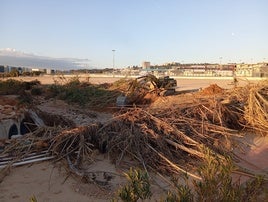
x=16 y=58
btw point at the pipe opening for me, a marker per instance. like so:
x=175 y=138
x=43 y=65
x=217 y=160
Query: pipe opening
x=13 y=130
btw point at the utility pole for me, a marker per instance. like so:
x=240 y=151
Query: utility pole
x=113 y=58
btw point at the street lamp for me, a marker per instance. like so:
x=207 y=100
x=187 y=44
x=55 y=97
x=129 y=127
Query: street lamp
x=220 y=60
x=113 y=58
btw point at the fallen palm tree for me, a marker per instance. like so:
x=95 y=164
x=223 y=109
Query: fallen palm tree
x=256 y=110
x=75 y=143
x=159 y=143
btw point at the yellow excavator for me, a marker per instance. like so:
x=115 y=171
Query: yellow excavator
x=141 y=86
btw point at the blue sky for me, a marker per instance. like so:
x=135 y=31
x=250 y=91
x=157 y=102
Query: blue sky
x=158 y=31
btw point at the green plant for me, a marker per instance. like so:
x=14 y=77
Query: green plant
x=33 y=199
x=82 y=93
x=181 y=192
x=73 y=82
x=10 y=86
x=30 y=84
x=25 y=98
x=54 y=90
x=255 y=190
x=217 y=183
x=36 y=91
x=138 y=186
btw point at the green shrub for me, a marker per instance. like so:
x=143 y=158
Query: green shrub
x=73 y=82
x=216 y=185
x=36 y=91
x=138 y=186
x=180 y=193
x=10 y=87
x=30 y=84
x=83 y=93
x=54 y=90
x=25 y=98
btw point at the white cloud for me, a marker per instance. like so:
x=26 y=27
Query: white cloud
x=10 y=56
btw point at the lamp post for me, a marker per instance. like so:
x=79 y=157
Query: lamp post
x=220 y=59
x=113 y=58
x=220 y=62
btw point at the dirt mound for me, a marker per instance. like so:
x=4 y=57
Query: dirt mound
x=212 y=89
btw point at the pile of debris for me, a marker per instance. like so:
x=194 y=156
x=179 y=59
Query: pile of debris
x=166 y=141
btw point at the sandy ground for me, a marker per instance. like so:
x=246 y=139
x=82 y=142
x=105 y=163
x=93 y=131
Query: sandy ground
x=183 y=82
x=252 y=154
x=50 y=182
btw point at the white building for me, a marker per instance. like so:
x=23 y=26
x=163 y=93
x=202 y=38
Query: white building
x=146 y=65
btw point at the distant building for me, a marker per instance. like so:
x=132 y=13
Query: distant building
x=146 y=65
x=49 y=71
x=2 y=69
x=26 y=69
x=264 y=70
x=252 y=70
x=20 y=70
x=260 y=70
x=10 y=68
x=244 y=70
x=38 y=70
x=35 y=70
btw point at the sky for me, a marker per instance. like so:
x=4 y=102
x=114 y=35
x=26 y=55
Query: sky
x=159 y=31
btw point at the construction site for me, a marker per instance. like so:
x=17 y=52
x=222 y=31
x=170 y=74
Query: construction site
x=133 y=139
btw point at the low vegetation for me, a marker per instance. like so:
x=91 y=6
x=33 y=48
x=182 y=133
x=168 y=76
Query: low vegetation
x=15 y=87
x=217 y=184
x=16 y=73
x=84 y=93
x=138 y=186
